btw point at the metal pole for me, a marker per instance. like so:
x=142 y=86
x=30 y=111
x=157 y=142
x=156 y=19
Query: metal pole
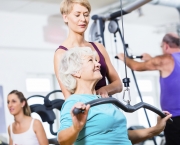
x=135 y=80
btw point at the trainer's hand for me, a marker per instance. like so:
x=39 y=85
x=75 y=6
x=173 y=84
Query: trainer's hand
x=79 y=120
x=121 y=56
x=146 y=57
x=161 y=122
x=102 y=92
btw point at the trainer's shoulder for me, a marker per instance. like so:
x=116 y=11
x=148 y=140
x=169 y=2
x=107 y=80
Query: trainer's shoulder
x=99 y=45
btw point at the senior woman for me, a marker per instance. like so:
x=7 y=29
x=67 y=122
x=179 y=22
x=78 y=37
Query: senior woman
x=100 y=125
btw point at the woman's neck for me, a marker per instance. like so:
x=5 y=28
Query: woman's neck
x=19 y=118
x=75 y=39
x=85 y=88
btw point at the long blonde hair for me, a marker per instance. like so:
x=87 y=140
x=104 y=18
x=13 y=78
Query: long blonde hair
x=26 y=108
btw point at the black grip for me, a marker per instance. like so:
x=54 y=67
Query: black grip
x=170 y=121
x=134 y=56
x=117 y=14
x=116 y=57
x=77 y=111
x=139 y=56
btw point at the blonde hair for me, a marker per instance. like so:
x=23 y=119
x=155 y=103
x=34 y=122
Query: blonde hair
x=26 y=108
x=67 y=5
x=70 y=63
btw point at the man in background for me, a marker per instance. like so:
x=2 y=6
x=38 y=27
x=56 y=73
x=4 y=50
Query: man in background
x=168 y=64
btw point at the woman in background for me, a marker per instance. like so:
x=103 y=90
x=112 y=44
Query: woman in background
x=76 y=15
x=25 y=130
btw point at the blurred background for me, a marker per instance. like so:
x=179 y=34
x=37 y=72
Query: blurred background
x=31 y=31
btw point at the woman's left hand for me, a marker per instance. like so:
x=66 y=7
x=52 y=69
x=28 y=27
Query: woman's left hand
x=102 y=92
x=161 y=122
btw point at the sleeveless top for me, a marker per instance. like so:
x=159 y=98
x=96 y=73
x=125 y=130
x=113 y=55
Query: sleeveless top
x=103 y=70
x=26 y=138
x=170 y=89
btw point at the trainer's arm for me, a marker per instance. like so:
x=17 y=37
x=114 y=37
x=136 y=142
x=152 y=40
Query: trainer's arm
x=115 y=84
x=57 y=57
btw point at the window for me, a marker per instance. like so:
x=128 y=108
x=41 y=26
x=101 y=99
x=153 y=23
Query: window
x=38 y=85
x=148 y=85
x=141 y=113
x=145 y=85
x=2 y=112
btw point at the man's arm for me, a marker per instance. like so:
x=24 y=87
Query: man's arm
x=155 y=63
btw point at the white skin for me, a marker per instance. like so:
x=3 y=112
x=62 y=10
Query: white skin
x=22 y=122
x=86 y=85
x=77 y=22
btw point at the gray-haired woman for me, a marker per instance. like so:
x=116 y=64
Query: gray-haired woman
x=100 y=125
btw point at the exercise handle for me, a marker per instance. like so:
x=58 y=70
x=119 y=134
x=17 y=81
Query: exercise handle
x=77 y=111
x=134 y=56
x=126 y=108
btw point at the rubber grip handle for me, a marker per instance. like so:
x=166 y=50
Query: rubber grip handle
x=77 y=111
x=116 y=57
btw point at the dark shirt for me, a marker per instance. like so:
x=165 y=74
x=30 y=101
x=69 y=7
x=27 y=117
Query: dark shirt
x=103 y=70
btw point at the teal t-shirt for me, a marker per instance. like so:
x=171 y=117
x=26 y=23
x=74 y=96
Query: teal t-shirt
x=106 y=124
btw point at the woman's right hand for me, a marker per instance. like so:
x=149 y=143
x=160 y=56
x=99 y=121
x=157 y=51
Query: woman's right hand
x=79 y=120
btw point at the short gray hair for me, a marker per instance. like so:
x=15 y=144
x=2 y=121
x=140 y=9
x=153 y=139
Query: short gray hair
x=71 y=62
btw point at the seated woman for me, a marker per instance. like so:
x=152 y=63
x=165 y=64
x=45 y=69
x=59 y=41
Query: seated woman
x=25 y=130
x=100 y=125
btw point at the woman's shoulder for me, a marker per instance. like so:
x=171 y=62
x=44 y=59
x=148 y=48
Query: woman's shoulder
x=60 y=50
x=100 y=47
x=37 y=122
x=72 y=99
